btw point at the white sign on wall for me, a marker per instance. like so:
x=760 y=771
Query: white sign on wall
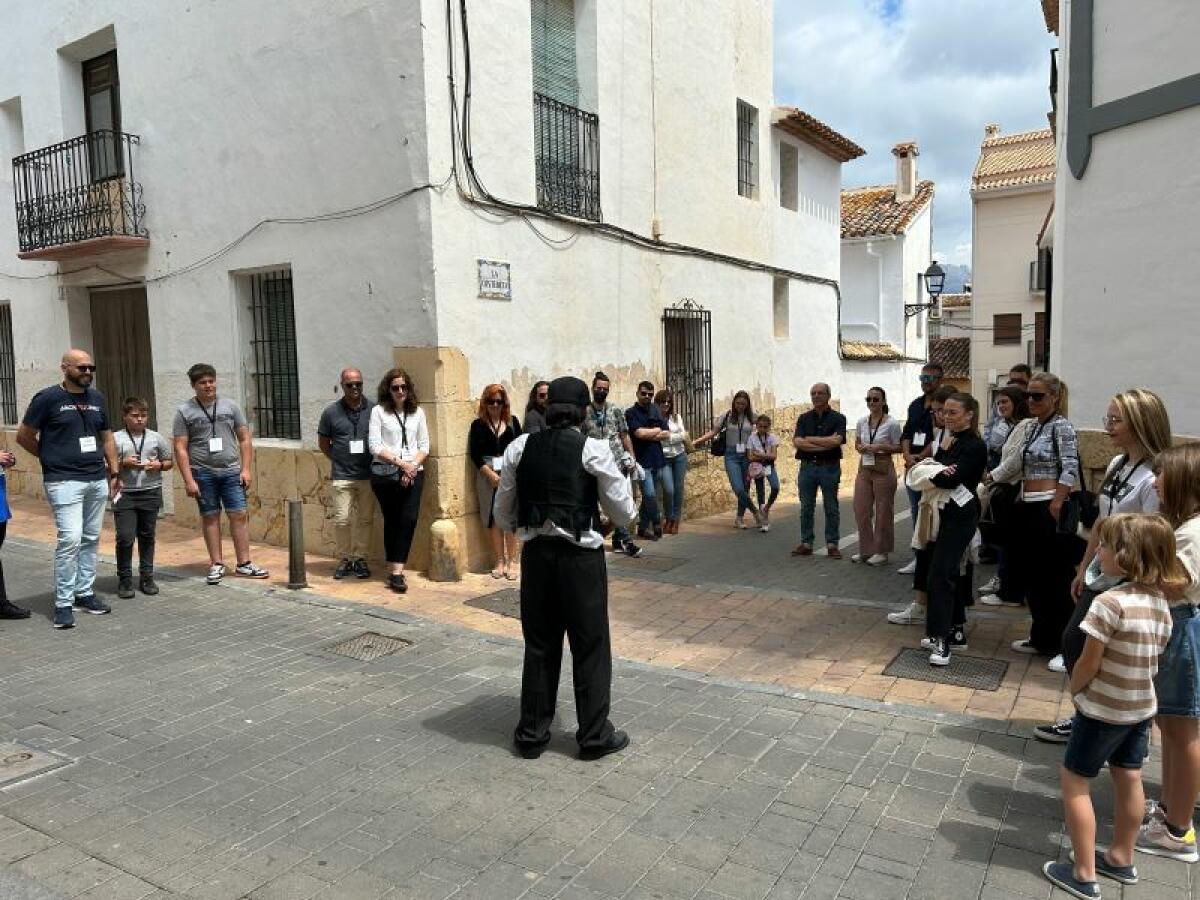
x=495 y=279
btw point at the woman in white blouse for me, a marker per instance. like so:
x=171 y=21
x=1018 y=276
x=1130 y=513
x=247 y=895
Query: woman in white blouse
x=399 y=443
x=675 y=449
x=877 y=439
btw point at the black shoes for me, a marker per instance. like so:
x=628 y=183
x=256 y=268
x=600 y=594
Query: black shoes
x=360 y=568
x=125 y=588
x=147 y=585
x=345 y=567
x=12 y=611
x=397 y=583
x=530 y=751
x=647 y=534
x=617 y=741
x=629 y=548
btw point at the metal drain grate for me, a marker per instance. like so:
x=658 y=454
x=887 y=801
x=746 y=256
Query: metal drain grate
x=652 y=563
x=964 y=671
x=369 y=646
x=503 y=603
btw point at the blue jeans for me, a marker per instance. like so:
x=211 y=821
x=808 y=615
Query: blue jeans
x=914 y=501
x=760 y=487
x=737 y=468
x=827 y=478
x=649 y=518
x=670 y=483
x=78 y=508
x=219 y=489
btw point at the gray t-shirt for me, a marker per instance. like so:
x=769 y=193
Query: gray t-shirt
x=149 y=445
x=347 y=430
x=201 y=425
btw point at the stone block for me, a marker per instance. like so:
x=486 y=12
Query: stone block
x=449 y=422
x=446 y=557
x=441 y=374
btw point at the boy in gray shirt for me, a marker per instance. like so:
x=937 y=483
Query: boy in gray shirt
x=216 y=459
x=144 y=455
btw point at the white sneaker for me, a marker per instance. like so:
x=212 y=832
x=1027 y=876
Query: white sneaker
x=765 y=527
x=1024 y=646
x=740 y=522
x=215 y=574
x=913 y=614
x=879 y=559
x=991 y=600
x=1156 y=839
x=1057 y=664
x=991 y=586
x=857 y=557
x=908 y=568
x=940 y=654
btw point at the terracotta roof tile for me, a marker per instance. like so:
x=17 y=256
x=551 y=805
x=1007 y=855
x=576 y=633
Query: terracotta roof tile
x=955 y=301
x=954 y=354
x=1015 y=159
x=811 y=130
x=1050 y=13
x=868 y=211
x=871 y=350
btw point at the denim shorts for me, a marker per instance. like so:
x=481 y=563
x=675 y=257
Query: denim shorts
x=219 y=489
x=1177 y=684
x=1093 y=743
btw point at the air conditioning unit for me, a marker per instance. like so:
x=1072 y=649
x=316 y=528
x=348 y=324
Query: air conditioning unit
x=1038 y=269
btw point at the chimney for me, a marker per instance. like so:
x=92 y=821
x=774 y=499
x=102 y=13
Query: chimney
x=991 y=131
x=906 y=170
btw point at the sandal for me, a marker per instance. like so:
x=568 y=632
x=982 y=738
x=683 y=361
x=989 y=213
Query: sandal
x=513 y=576
x=496 y=573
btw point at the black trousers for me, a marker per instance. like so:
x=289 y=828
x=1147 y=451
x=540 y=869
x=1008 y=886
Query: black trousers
x=1043 y=565
x=564 y=588
x=947 y=598
x=136 y=517
x=400 y=506
x=3 y=589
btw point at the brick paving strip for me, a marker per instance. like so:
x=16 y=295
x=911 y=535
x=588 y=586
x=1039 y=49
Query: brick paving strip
x=223 y=751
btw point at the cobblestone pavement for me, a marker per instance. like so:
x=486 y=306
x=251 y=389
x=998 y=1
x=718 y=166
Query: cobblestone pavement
x=219 y=748
x=715 y=601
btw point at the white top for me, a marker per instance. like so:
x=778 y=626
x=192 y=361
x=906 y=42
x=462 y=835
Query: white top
x=886 y=432
x=402 y=433
x=1129 y=488
x=1187 y=548
x=676 y=443
x=616 y=499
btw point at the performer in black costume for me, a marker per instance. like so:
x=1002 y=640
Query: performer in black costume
x=552 y=485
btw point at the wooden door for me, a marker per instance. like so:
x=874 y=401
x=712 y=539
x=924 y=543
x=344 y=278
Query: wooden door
x=121 y=347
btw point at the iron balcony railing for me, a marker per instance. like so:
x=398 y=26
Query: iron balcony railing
x=568 y=158
x=78 y=190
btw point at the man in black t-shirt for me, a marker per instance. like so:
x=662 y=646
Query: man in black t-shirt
x=820 y=434
x=67 y=429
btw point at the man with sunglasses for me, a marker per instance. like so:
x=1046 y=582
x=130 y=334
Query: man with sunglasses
x=917 y=433
x=648 y=430
x=67 y=429
x=342 y=436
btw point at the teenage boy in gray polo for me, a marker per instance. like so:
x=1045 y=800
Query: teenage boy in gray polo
x=342 y=436
x=216 y=458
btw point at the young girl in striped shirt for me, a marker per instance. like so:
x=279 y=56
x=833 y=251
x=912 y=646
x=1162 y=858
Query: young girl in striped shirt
x=1112 y=685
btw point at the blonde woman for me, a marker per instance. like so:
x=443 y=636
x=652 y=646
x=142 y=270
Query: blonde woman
x=494 y=428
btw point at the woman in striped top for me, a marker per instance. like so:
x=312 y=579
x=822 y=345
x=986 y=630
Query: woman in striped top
x=1112 y=685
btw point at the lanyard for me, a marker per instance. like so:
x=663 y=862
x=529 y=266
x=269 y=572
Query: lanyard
x=137 y=449
x=212 y=419
x=497 y=429
x=82 y=409
x=353 y=415
x=1117 y=485
x=740 y=420
x=871 y=434
x=403 y=430
x=1032 y=438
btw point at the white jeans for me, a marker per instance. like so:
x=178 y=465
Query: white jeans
x=78 y=508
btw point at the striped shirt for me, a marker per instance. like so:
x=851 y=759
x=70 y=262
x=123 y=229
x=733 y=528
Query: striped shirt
x=1133 y=624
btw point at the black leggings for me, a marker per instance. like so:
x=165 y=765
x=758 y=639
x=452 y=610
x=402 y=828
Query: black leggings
x=400 y=506
x=947 y=600
x=3 y=589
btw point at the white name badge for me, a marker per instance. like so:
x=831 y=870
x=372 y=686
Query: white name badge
x=961 y=495
x=87 y=444
x=357 y=447
x=766 y=470
x=216 y=445
x=497 y=464
x=919 y=439
x=868 y=459
x=741 y=448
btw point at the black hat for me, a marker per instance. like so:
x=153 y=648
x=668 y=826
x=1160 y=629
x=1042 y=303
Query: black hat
x=568 y=390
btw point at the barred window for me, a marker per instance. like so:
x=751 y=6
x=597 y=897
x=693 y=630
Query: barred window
x=8 y=369
x=274 y=382
x=747 y=133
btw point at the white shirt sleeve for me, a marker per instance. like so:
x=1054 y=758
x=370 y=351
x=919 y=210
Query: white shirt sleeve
x=375 y=431
x=505 y=510
x=421 y=439
x=616 y=499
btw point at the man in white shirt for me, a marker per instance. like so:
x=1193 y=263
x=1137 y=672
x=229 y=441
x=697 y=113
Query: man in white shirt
x=552 y=486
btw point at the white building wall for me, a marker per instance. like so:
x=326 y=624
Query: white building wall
x=1124 y=306
x=913 y=335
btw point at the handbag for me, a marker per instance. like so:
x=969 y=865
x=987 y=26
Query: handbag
x=384 y=471
x=717 y=445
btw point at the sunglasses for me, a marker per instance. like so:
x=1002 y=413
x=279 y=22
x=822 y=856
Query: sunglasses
x=1037 y=396
x=496 y=401
x=397 y=388
x=874 y=399
x=929 y=377
x=357 y=385
x=645 y=393
x=85 y=368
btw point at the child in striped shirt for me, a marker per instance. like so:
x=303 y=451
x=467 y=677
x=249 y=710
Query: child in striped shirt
x=1112 y=686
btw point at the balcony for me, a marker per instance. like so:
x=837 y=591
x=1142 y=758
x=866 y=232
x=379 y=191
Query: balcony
x=567 y=156
x=79 y=198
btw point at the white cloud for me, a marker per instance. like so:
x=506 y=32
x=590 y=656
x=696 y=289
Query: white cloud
x=934 y=71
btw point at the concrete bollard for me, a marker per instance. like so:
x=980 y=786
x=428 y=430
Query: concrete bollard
x=297 y=577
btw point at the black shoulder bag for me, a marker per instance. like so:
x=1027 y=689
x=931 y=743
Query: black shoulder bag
x=717 y=445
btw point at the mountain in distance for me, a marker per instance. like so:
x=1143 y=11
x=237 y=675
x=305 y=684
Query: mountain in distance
x=956 y=277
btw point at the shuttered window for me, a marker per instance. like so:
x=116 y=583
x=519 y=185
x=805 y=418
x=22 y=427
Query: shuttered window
x=1006 y=328
x=555 y=72
x=8 y=369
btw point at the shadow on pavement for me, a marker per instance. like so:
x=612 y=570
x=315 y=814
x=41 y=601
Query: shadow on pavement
x=489 y=720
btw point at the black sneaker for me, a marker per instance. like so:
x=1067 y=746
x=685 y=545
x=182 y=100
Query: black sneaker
x=93 y=604
x=147 y=586
x=616 y=544
x=360 y=568
x=345 y=568
x=1055 y=733
x=64 y=617
x=125 y=588
x=629 y=548
x=397 y=583
x=958 y=639
x=12 y=611
x=646 y=534
x=940 y=654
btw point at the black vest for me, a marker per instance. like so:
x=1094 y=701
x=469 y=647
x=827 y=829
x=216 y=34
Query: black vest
x=552 y=484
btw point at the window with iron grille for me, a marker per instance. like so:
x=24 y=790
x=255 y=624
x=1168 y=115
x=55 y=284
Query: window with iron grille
x=274 y=385
x=1006 y=328
x=747 y=131
x=8 y=369
x=687 y=345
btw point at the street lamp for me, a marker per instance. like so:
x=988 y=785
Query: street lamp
x=934 y=279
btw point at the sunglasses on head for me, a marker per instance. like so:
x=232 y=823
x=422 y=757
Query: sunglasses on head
x=1039 y=396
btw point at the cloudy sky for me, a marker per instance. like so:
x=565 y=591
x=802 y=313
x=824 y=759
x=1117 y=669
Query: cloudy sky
x=934 y=71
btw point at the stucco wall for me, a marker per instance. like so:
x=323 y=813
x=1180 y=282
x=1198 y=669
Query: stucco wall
x=1006 y=227
x=1125 y=300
